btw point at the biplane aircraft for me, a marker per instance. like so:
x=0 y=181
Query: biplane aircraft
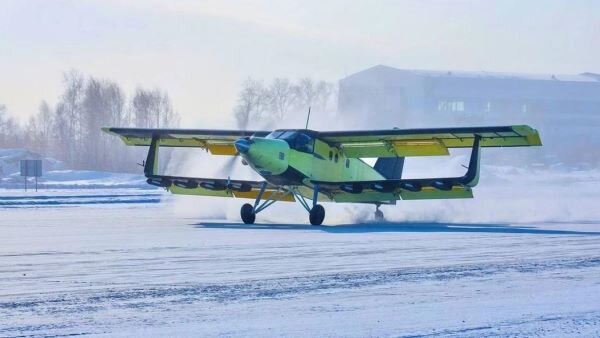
x=325 y=166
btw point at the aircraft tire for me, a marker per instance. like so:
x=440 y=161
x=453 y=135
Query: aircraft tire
x=379 y=215
x=317 y=215
x=247 y=213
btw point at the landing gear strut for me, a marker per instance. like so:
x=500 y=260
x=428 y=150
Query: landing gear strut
x=248 y=211
x=316 y=214
x=378 y=214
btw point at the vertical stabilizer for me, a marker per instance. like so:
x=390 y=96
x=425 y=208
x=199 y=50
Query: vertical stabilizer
x=390 y=167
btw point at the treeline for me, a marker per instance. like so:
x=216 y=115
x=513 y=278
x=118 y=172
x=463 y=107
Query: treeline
x=268 y=105
x=70 y=130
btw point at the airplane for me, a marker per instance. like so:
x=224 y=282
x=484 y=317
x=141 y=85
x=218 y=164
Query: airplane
x=310 y=166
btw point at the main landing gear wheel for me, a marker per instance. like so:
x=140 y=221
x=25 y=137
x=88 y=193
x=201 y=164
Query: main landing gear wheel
x=317 y=215
x=247 y=213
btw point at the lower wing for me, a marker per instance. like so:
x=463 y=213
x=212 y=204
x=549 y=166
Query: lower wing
x=408 y=189
x=219 y=187
x=391 y=190
x=208 y=186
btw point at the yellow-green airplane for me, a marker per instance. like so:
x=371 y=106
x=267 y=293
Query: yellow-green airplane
x=325 y=166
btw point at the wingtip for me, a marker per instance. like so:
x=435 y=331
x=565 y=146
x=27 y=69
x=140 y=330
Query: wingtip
x=530 y=133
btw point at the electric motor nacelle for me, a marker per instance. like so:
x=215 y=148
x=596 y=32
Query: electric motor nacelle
x=353 y=188
x=159 y=182
x=186 y=184
x=442 y=185
x=383 y=186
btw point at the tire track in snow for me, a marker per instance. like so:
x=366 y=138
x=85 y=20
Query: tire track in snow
x=98 y=299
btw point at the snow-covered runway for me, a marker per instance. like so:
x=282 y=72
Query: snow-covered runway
x=142 y=269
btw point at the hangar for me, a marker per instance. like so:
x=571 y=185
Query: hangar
x=565 y=108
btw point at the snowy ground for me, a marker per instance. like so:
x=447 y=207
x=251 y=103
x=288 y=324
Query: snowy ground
x=13 y=198
x=133 y=269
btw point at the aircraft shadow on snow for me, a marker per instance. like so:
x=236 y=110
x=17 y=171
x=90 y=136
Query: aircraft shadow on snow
x=399 y=227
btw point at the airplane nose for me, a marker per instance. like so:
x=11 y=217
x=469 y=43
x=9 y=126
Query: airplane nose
x=242 y=145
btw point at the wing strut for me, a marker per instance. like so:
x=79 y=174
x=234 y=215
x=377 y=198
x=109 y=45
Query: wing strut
x=151 y=165
x=471 y=178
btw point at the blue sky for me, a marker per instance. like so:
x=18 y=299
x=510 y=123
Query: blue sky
x=200 y=51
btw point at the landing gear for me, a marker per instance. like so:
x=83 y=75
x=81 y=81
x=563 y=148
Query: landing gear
x=317 y=215
x=247 y=213
x=379 y=214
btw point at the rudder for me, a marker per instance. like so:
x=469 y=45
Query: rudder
x=390 y=167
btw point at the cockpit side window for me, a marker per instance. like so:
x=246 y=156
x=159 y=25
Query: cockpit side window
x=305 y=143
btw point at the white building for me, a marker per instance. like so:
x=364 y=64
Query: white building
x=564 y=108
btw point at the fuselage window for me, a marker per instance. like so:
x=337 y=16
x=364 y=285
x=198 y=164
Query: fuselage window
x=347 y=163
x=281 y=156
x=336 y=158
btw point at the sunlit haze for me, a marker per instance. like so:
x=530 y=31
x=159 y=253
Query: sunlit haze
x=200 y=52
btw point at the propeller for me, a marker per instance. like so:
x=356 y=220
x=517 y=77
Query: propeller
x=230 y=163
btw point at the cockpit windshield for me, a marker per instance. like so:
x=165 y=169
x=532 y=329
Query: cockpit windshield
x=296 y=139
x=275 y=134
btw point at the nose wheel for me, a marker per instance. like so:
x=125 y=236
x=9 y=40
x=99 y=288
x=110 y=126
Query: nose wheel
x=247 y=213
x=317 y=215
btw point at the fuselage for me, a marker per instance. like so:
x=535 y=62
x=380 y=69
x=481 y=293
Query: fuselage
x=297 y=157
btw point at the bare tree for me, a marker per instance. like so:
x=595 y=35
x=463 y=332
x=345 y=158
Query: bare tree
x=39 y=130
x=166 y=116
x=2 y=124
x=71 y=111
x=307 y=93
x=11 y=134
x=253 y=102
x=102 y=106
x=271 y=105
x=152 y=109
x=71 y=131
x=282 y=96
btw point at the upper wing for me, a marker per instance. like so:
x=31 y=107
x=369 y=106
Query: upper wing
x=218 y=142
x=427 y=142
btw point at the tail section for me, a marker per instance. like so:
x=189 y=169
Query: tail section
x=390 y=167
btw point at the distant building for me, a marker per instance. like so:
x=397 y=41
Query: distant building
x=565 y=108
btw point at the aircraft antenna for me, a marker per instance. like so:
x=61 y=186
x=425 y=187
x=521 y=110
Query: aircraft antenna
x=307 y=118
